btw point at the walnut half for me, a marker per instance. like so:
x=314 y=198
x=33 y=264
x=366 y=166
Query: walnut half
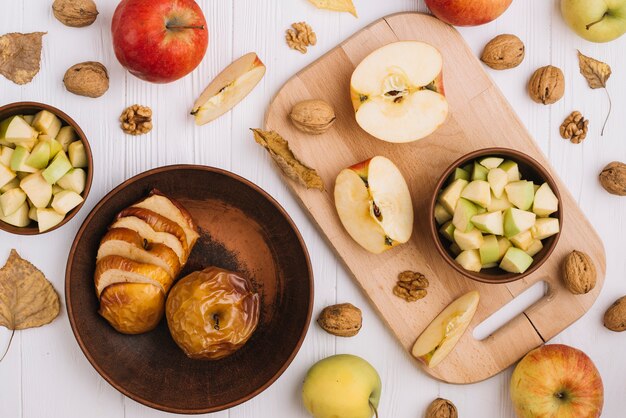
x=136 y=120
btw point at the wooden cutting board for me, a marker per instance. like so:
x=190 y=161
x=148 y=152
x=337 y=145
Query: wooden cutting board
x=480 y=117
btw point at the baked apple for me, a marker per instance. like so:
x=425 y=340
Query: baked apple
x=132 y=308
x=212 y=313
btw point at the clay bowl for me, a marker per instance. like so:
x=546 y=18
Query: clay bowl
x=530 y=170
x=30 y=108
x=244 y=230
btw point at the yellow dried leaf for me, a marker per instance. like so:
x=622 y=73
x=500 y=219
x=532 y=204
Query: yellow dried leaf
x=596 y=73
x=279 y=150
x=20 y=56
x=336 y=5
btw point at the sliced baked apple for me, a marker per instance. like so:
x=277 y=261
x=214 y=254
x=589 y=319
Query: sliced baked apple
x=374 y=204
x=442 y=334
x=397 y=92
x=230 y=87
x=115 y=269
x=132 y=308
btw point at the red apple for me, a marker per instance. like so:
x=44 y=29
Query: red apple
x=468 y=12
x=159 y=40
x=557 y=381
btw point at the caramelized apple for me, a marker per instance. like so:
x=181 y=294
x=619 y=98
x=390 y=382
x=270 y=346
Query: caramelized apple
x=132 y=308
x=212 y=313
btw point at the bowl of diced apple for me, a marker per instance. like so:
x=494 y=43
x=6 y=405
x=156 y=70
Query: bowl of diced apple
x=496 y=215
x=45 y=168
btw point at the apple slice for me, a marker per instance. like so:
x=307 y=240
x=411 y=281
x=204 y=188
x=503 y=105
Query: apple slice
x=516 y=221
x=397 y=92
x=521 y=194
x=479 y=192
x=48 y=218
x=490 y=223
x=516 y=261
x=18 y=218
x=38 y=190
x=115 y=269
x=546 y=202
x=374 y=204
x=442 y=334
x=230 y=87
x=469 y=260
x=497 y=179
x=545 y=228
x=451 y=194
x=151 y=236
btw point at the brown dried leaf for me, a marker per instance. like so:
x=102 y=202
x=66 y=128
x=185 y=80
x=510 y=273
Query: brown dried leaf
x=336 y=5
x=27 y=298
x=279 y=149
x=595 y=72
x=20 y=56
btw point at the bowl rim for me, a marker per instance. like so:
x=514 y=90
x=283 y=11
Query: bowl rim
x=434 y=228
x=68 y=296
x=30 y=230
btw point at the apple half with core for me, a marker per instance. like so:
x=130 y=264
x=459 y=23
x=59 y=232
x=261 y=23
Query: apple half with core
x=397 y=92
x=374 y=204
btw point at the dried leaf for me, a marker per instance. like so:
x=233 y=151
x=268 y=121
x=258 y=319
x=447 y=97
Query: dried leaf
x=279 y=149
x=20 y=56
x=596 y=73
x=336 y=5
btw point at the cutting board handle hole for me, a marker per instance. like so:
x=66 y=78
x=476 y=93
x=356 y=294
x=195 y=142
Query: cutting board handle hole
x=511 y=310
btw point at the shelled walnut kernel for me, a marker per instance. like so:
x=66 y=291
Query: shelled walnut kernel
x=136 y=120
x=300 y=36
x=574 y=128
x=411 y=286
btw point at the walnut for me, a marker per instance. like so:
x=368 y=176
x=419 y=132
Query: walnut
x=89 y=79
x=579 y=273
x=615 y=316
x=75 y=13
x=503 y=52
x=343 y=320
x=613 y=178
x=441 y=408
x=300 y=36
x=547 y=85
x=136 y=120
x=411 y=286
x=313 y=116
x=574 y=128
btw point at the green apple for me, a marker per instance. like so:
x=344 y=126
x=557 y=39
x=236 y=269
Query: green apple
x=38 y=190
x=511 y=169
x=59 y=166
x=12 y=184
x=516 y=221
x=491 y=223
x=66 y=136
x=47 y=123
x=469 y=260
x=65 y=201
x=455 y=249
x=55 y=146
x=479 y=172
x=504 y=244
x=465 y=211
x=479 y=192
x=595 y=20
x=447 y=230
x=6 y=175
x=18 y=160
x=39 y=156
x=18 y=218
x=451 y=194
x=499 y=204
x=16 y=129
x=490 y=250
x=471 y=240
x=11 y=201
x=460 y=173
x=5 y=156
x=523 y=240
x=546 y=202
x=534 y=248
x=545 y=228
x=74 y=180
x=78 y=155
x=48 y=218
x=497 y=179
x=441 y=214
x=516 y=261
x=521 y=194
x=491 y=162
x=342 y=386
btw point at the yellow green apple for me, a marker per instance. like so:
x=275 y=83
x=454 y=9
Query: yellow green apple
x=595 y=20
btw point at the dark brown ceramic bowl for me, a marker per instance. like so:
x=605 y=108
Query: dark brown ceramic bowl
x=244 y=230
x=30 y=108
x=530 y=170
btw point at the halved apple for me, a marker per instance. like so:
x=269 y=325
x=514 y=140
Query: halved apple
x=442 y=334
x=397 y=92
x=374 y=204
x=115 y=269
x=158 y=223
x=132 y=308
x=230 y=87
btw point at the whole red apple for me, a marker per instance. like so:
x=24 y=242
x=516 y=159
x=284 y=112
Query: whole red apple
x=468 y=12
x=557 y=381
x=159 y=40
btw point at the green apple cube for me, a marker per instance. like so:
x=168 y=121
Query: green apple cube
x=511 y=169
x=470 y=260
x=39 y=156
x=471 y=240
x=460 y=173
x=545 y=228
x=465 y=211
x=490 y=265
x=38 y=190
x=55 y=146
x=497 y=180
x=504 y=244
x=18 y=160
x=479 y=192
x=490 y=223
x=48 y=218
x=516 y=261
x=534 y=248
x=47 y=123
x=65 y=201
x=521 y=194
x=6 y=175
x=29 y=119
x=441 y=214
x=18 y=218
x=490 y=250
x=74 y=180
x=59 y=166
x=28 y=143
x=13 y=184
x=499 y=204
x=491 y=162
x=546 y=202
x=32 y=213
x=5 y=156
x=523 y=240
x=78 y=155
x=454 y=249
x=11 y=201
x=479 y=172
x=56 y=189
x=451 y=194
x=516 y=221
x=447 y=230
x=15 y=129
x=66 y=136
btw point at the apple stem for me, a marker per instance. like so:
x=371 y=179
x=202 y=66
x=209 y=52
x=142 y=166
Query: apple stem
x=597 y=21
x=8 y=346
x=373 y=409
x=608 y=114
x=201 y=27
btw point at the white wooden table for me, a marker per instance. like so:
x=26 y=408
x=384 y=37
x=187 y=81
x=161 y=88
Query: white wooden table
x=45 y=375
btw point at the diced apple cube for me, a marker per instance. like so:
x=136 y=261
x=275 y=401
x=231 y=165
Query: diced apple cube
x=65 y=201
x=74 y=180
x=545 y=228
x=11 y=201
x=479 y=172
x=455 y=249
x=504 y=245
x=489 y=251
x=5 y=156
x=29 y=118
x=499 y=204
x=463 y=214
x=55 y=146
x=32 y=213
x=546 y=202
x=497 y=180
x=13 y=184
x=479 y=192
x=38 y=190
x=534 y=248
x=451 y=194
x=47 y=123
x=18 y=218
x=48 y=218
x=66 y=136
x=39 y=156
x=491 y=162
x=521 y=194
x=470 y=260
x=516 y=261
x=523 y=240
x=471 y=240
x=78 y=155
x=490 y=223
x=59 y=166
x=17 y=129
x=18 y=160
x=441 y=214
x=447 y=230
x=56 y=189
x=512 y=170
x=516 y=221
x=6 y=175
